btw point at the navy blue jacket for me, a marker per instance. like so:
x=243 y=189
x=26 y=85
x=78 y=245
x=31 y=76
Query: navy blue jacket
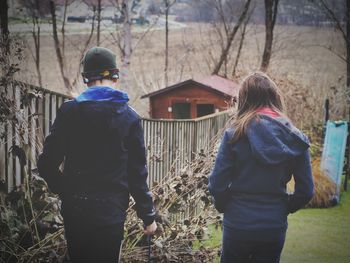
x=100 y=140
x=249 y=178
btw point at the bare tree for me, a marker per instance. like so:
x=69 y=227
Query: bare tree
x=123 y=37
x=168 y=5
x=125 y=45
x=36 y=39
x=96 y=5
x=63 y=31
x=229 y=32
x=343 y=28
x=59 y=55
x=85 y=47
x=240 y=46
x=4 y=24
x=98 y=21
x=36 y=9
x=271 y=7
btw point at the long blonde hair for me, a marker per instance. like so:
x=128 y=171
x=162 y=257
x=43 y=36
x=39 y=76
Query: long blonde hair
x=257 y=91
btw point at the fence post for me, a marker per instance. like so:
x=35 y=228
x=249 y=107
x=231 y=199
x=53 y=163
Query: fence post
x=17 y=98
x=194 y=141
x=3 y=152
x=326 y=115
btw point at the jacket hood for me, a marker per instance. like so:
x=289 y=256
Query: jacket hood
x=274 y=140
x=103 y=93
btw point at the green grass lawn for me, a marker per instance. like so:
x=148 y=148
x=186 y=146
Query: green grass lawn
x=314 y=235
x=319 y=235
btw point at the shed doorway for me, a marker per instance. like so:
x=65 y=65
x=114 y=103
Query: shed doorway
x=204 y=109
x=181 y=110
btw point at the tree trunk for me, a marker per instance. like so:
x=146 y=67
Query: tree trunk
x=86 y=45
x=168 y=5
x=239 y=49
x=98 y=21
x=166 y=42
x=270 y=20
x=4 y=25
x=36 y=38
x=57 y=46
x=63 y=31
x=348 y=43
x=232 y=34
x=4 y=18
x=127 y=45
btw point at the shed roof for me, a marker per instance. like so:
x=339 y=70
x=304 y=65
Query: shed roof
x=214 y=82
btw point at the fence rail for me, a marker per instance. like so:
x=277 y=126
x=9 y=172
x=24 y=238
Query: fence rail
x=33 y=111
x=173 y=143
x=170 y=143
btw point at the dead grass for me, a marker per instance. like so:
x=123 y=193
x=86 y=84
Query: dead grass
x=325 y=188
x=300 y=60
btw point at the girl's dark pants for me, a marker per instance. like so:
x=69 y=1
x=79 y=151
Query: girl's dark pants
x=249 y=251
x=88 y=243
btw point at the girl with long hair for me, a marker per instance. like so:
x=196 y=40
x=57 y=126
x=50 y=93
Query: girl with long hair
x=256 y=159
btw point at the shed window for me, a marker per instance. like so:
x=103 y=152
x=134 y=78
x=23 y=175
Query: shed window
x=204 y=109
x=181 y=110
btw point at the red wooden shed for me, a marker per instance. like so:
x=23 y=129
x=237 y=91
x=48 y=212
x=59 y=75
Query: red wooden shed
x=193 y=98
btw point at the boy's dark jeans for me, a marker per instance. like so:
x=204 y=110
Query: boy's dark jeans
x=249 y=251
x=87 y=244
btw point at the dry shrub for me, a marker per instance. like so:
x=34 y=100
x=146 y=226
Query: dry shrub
x=296 y=100
x=31 y=227
x=325 y=187
x=184 y=212
x=305 y=104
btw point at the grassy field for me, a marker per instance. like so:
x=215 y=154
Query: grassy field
x=314 y=235
x=319 y=235
x=299 y=54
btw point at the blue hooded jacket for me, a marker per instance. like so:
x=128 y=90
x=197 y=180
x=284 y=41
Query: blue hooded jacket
x=100 y=138
x=249 y=178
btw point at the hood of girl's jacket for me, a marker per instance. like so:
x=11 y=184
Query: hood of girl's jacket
x=274 y=140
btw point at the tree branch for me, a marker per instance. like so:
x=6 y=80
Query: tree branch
x=330 y=49
x=57 y=46
x=231 y=37
x=274 y=15
x=331 y=15
x=241 y=43
x=87 y=43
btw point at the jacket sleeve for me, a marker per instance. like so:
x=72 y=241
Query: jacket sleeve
x=220 y=178
x=137 y=175
x=304 y=185
x=53 y=155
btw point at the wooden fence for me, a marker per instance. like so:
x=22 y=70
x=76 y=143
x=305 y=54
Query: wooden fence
x=32 y=110
x=170 y=143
